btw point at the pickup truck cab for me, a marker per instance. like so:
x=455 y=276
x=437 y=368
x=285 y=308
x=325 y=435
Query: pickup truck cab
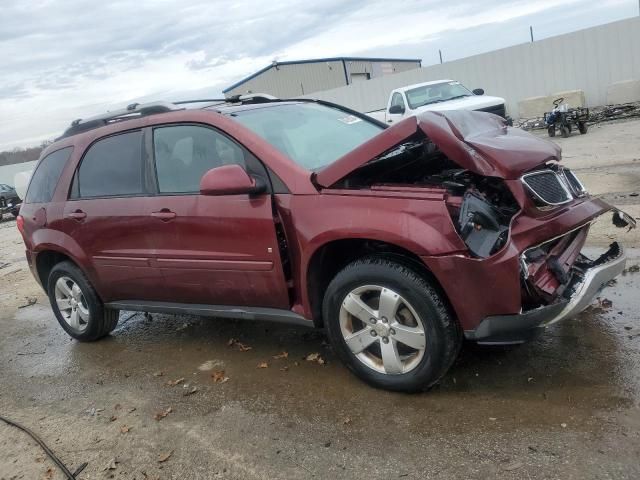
x=438 y=95
x=398 y=241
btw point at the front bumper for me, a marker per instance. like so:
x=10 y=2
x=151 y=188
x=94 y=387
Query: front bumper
x=519 y=328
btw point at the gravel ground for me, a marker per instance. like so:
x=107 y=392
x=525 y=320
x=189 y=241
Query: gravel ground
x=143 y=403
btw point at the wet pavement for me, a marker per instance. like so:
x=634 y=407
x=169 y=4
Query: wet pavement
x=563 y=406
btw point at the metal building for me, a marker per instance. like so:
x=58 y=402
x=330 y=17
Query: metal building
x=295 y=78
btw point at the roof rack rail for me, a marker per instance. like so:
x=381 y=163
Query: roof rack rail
x=136 y=110
x=251 y=98
x=133 y=110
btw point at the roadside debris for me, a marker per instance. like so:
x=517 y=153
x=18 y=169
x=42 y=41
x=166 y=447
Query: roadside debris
x=281 y=355
x=632 y=269
x=596 y=115
x=124 y=429
x=219 y=377
x=162 y=414
x=29 y=301
x=263 y=365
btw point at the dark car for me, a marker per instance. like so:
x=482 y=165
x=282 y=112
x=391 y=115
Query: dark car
x=398 y=241
x=9 y=200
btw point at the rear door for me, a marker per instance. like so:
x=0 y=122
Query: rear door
x=108 y=215
x=217 y=250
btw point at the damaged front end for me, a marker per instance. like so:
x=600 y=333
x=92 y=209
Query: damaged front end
x=523 y=218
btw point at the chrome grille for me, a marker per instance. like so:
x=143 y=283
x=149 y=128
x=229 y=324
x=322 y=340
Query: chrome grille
x=548 y=187
x=573 y=181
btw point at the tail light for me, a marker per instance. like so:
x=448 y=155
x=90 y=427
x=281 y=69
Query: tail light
x=20 y=224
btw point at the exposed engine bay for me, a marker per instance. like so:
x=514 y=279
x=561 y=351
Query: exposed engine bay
x=481 y=207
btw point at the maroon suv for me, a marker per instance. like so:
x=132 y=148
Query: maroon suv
x=398 y=241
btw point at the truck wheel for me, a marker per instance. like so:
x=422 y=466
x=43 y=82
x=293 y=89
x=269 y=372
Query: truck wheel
x=390 y=326
x=76 y=305
x=582 y=127
x=551 y=130
x=564 y=131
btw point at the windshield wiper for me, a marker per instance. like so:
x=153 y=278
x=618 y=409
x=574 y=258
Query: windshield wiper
x=458 y=96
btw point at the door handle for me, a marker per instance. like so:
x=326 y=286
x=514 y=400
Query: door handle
x=165 y=215
x=77 y=215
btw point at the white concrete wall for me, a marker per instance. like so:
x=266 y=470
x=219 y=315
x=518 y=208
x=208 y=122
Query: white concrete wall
x=589 y=60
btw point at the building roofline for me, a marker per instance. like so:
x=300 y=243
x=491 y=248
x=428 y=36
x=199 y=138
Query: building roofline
x=319 y=60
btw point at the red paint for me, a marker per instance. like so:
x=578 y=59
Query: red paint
x=223 y=248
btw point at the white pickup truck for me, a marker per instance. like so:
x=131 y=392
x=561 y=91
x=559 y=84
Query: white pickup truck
x=437 y=95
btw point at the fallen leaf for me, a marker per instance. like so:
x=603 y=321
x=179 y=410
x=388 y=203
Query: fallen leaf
x=513 y=466
x=233 y=342
x=219 y=377
x=132 y=409
x=173 y=383
x=160 y=415
x=158 y=374
x=163 y=457
x=113 y=418
x=346 y=421
x=563 y=425
x=281 y=355
x=284 y=369
x=190 y=392
x=315 y=357
x=117 y=406
x=263 y=365
x=48 y=475
x=124 y=428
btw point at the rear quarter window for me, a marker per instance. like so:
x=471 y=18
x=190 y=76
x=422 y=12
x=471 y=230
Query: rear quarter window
x=45 y=179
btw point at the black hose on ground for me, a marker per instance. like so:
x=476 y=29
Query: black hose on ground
x=56 y=460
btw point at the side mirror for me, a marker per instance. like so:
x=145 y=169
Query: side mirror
x=230 y=180
x=396 y=109
x=478 y=91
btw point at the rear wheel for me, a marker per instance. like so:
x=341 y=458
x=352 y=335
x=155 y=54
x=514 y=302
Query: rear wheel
x=390 y=326
x=582 y=127
x=76 y=305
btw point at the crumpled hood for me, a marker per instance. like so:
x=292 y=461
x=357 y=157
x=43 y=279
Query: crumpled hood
x=477 y=141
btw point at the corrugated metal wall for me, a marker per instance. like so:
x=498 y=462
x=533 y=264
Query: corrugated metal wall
x=589 y=60
x=287 y=81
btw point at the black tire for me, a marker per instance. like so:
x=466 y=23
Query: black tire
x=582 y=127
x=443 y=336
x=564 y=131
x=101 y=321
x=551 y=130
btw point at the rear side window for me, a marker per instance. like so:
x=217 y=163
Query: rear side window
x=111 y=167
x=45 y=178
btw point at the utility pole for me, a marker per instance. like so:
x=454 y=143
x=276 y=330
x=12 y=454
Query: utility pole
x=440 y=51
x=531 y=30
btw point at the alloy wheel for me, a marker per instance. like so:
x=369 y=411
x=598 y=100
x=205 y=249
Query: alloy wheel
x=72 y=304
x=382 y=329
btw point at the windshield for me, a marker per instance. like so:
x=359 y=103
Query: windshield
x=439 y=92
x=312 y=135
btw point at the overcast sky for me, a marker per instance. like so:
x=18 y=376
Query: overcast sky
x=65 y=59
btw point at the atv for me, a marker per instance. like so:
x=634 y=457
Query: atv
x=562 y=117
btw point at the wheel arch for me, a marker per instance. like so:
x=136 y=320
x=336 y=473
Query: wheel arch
x=331 y=257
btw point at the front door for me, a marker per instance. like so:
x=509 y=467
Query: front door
x=216 y=250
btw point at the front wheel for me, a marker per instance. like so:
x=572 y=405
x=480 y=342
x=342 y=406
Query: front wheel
x=390 y=326
x=76 y=304
x=551 y=130
x=565 y=131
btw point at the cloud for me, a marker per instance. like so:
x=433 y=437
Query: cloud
x=65 y=59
